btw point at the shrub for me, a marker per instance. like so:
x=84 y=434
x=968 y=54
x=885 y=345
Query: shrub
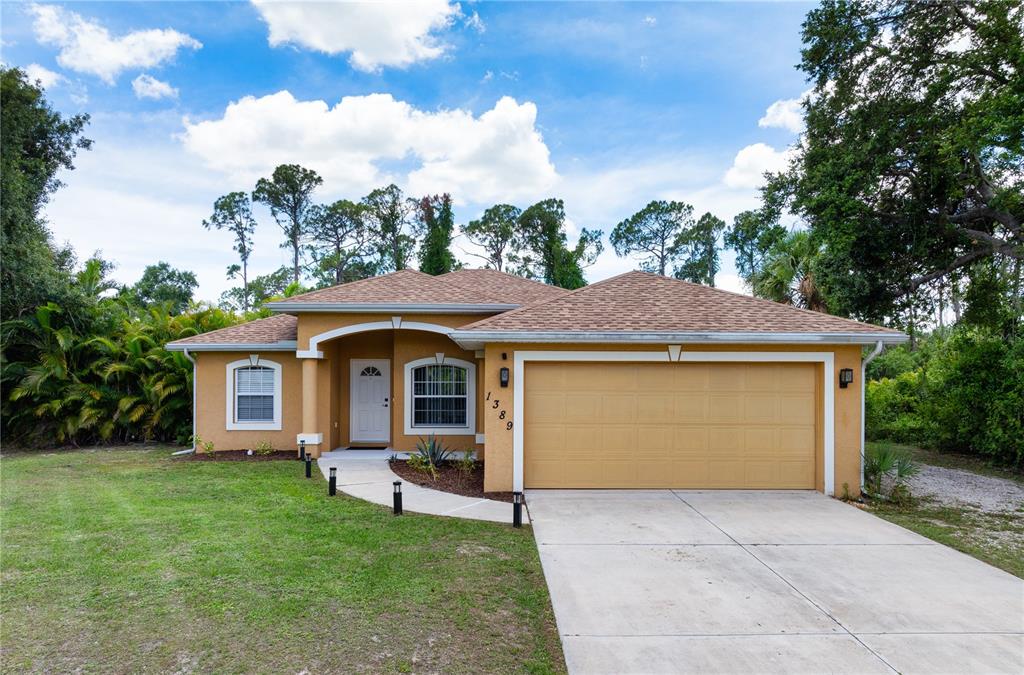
x=433 y=450
x=886 y=472
x=892 y=408
x=264 y=448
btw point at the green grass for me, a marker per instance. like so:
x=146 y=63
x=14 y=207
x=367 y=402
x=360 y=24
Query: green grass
x=130 y=560
x=996 y=538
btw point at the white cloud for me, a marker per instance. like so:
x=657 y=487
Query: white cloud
x=751 y=163
x=476 y=23
x=46 y=77
x=87 y=47
x=488 y=76
x=375 y=33
x=498 y=155
x=651 y=20
x=147 y=86
x=785 y=113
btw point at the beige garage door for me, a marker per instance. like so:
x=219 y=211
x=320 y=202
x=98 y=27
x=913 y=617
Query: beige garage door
x=626 y=425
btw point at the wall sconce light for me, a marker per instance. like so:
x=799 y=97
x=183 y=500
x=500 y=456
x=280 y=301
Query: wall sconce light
x=845 y=377
x=503 y=377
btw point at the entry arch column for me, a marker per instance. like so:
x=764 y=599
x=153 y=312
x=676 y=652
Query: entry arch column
x=310 y=422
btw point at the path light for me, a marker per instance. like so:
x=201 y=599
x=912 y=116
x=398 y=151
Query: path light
x=309 y=466
x=332 y=482
x=398 y=498
x=517 y=509
x=302 y=450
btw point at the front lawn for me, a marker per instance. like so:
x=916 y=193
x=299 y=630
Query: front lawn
x=130 y=560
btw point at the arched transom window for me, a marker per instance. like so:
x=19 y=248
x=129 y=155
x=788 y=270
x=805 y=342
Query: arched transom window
x=440 y=396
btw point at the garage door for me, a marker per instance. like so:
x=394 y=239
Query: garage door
x=701 y=425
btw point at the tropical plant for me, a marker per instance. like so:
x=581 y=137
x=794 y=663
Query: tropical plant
x=885 y=466
x=431 y=453
x=788 y=273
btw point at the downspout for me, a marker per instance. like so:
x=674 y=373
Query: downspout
x=193 y=449
x=863 y=393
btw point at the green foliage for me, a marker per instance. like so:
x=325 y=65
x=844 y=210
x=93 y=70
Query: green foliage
x=886 y=472
x=264 y=448
x=37 y=144
x=963 y=392
x=233 y=212
x=497 y=233
x=164 y=285
x=421 y=463
x=101 y=376
x=892 y=408
x=752 y=236
x=433 y=450
x=910 y=168
x=340 y=243
x=699 y=251
x=656 y=233
x=288 y=193
x=261 y=289
x=437 y=222
x=788 y=273
x=545 y=254
x=976 y=396
x=388 y=217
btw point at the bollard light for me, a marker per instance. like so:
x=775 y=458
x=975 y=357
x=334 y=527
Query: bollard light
x=398 y=498
x=517 y=509
x=332 y=482
x=302 y=450
x=309 y=466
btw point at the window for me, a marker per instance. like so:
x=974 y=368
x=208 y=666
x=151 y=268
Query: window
x=439 y=396
x=254 y=395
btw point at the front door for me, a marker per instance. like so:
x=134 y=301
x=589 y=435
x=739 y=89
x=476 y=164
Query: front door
x=370 y=411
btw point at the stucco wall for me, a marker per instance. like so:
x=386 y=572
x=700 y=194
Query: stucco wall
x=498 y=468
x=211 y=399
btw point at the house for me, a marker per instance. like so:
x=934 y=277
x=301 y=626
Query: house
x=638 y=381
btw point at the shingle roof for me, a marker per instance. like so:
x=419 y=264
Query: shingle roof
x=277 y=328
x=644 y=302
x=504 y=287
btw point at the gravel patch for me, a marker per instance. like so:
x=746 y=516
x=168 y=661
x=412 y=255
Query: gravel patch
x=954 y=487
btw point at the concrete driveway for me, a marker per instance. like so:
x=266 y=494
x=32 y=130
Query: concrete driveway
x=741 y=582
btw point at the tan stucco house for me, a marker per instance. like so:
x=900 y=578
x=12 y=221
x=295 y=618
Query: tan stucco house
x=635 y=381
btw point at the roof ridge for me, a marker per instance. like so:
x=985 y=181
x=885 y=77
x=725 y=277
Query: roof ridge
x=504 y=273
x=534 y=305
x=357 y=282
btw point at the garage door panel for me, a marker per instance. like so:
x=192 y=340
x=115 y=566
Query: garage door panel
x=618 y=408
x=691 y=407
x=581 y=408
x=713 y=425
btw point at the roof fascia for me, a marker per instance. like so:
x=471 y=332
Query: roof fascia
x=475 y=339
x=283 y=346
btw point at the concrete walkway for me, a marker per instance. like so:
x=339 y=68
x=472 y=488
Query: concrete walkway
x=365 y=474
x=742 y=582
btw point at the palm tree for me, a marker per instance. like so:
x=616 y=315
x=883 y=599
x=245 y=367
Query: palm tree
x=787 y=276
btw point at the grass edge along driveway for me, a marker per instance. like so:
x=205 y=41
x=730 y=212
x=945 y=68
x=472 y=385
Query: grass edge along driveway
x=130 y=560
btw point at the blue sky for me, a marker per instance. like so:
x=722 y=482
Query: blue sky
x=605 y=105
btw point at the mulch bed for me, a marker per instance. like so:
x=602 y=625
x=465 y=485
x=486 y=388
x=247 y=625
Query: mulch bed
x=450 y=479
x=240 y=456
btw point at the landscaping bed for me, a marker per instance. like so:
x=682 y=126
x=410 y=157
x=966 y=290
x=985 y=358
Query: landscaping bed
x=450 y=478
x=241 y=456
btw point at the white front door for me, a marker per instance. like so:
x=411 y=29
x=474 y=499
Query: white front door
x=370 y=411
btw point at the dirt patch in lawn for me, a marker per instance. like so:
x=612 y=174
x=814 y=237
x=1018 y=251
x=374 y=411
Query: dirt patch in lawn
x=240 y=456
x=450 y=478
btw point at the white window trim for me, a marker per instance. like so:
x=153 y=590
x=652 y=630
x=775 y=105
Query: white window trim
x=230 y=399
x=671 y=355
x=470 y=428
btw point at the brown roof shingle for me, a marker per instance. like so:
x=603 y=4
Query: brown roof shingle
x=277 y=328
x=644 y=302
x=405 y=287
x=504 y=287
